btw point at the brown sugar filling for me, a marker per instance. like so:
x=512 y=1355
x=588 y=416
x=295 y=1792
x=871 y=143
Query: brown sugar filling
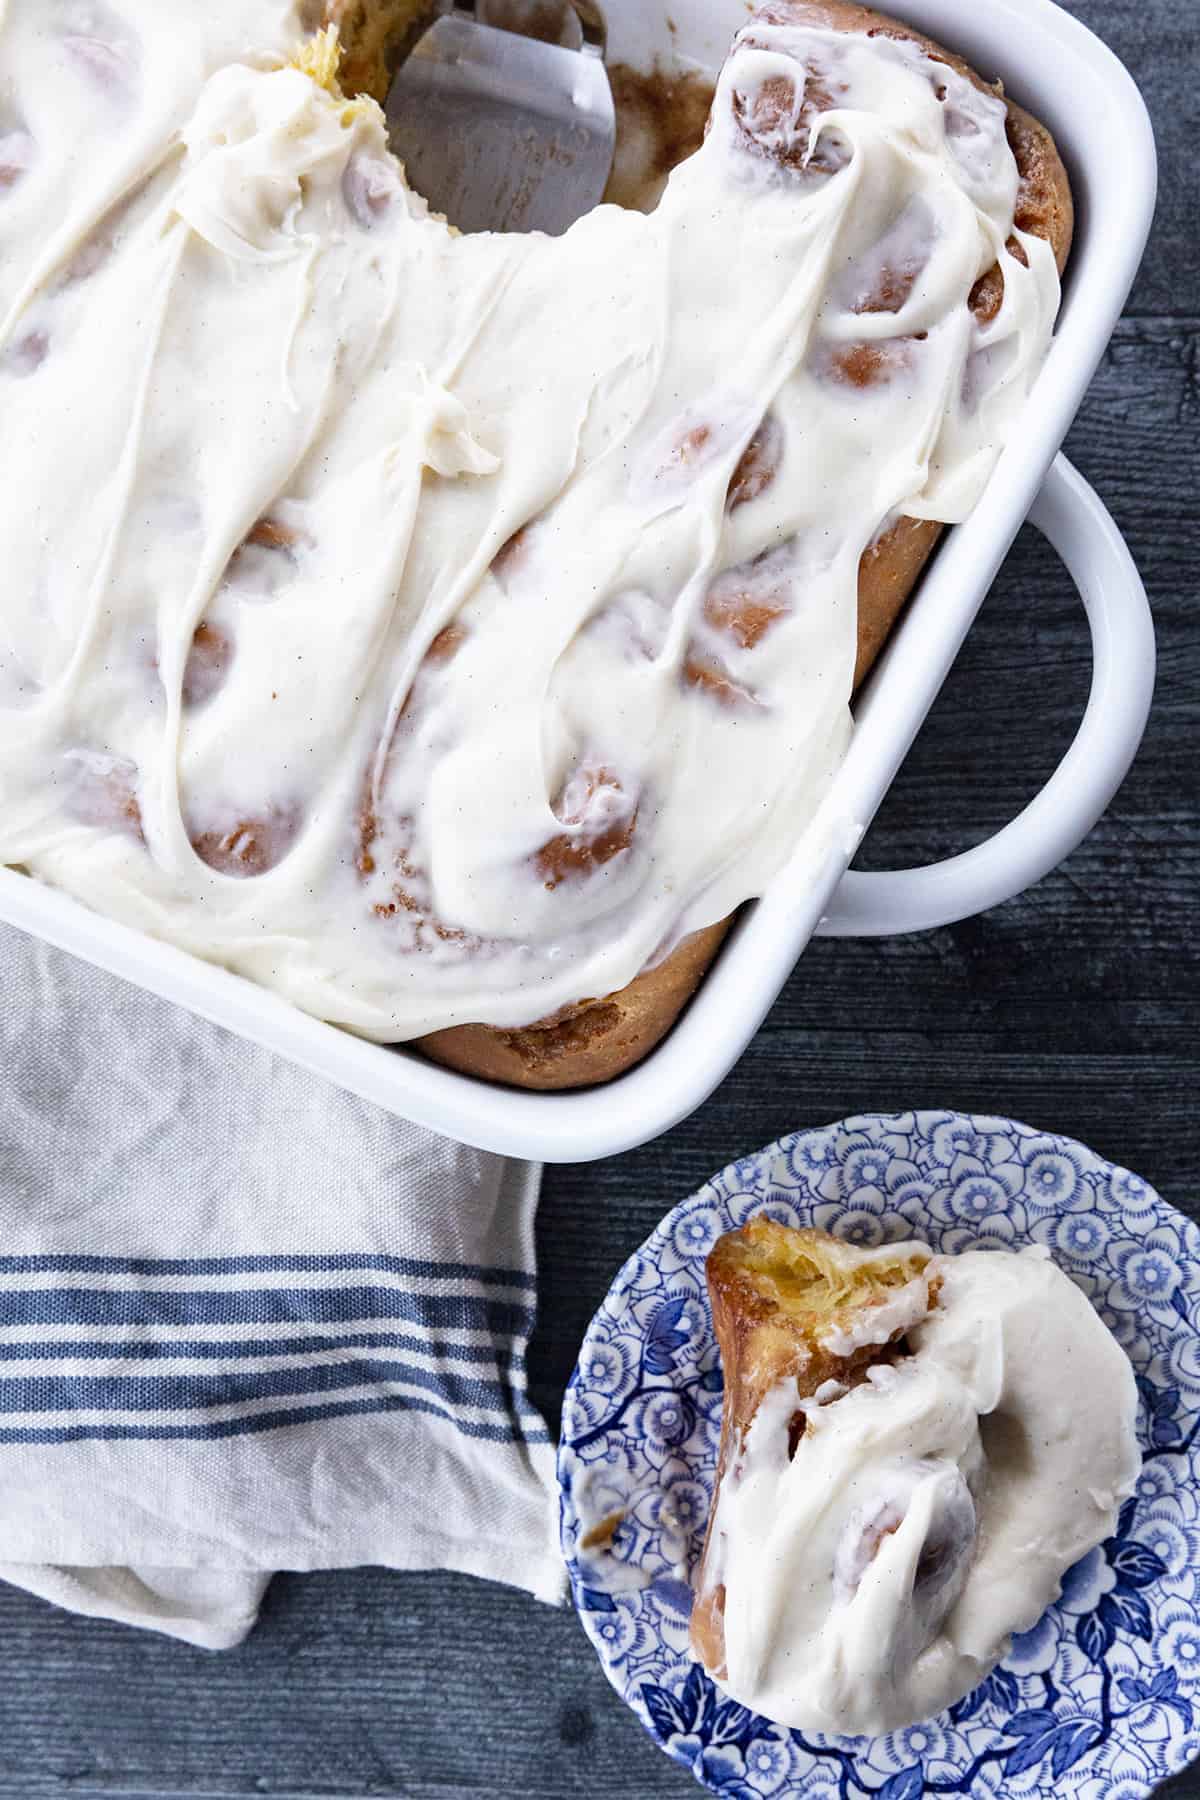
x=272 y=534
x=105 y=793
x=572 y=855
x=709 y=677
x=745 y=615
x=759 y=465
x=251 y=846
x=777 y=122
x=208 y=663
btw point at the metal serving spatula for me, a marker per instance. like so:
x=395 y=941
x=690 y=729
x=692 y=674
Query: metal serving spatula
x=502 y=132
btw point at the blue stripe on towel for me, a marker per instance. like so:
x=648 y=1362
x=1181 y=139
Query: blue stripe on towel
x=183 y=1393
x=300 y=1264
x=268 y=1421
x=177 y=1307
x=230 y=1350
x=153 y=1327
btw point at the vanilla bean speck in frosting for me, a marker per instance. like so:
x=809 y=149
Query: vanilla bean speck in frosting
x=438 y=628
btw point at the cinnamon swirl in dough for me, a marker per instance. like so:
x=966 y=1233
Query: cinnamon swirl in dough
x=914 y=1450
x=443 y=630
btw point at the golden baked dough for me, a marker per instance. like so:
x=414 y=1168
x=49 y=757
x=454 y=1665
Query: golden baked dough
x=601 y=1037
x=376 y=35
x=775 y=1293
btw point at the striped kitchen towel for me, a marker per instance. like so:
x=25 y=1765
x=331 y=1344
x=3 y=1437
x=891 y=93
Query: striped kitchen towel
x=247 y=1322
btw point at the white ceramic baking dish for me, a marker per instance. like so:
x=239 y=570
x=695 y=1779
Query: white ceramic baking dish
x=1070 y=80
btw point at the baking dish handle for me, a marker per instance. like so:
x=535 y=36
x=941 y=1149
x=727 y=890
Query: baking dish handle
x=1077 y=524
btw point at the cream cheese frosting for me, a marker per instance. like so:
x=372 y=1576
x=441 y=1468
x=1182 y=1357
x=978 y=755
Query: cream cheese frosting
x=930 y=1512
x=433 y=628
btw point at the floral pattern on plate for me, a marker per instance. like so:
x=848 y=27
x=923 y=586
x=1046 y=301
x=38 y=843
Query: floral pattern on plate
x=1101 y=1699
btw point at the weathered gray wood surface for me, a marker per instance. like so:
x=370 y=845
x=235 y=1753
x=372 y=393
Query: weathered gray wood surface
x=1074 y=1008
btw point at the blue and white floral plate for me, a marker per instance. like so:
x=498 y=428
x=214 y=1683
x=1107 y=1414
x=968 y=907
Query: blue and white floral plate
x=1102 y=1698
